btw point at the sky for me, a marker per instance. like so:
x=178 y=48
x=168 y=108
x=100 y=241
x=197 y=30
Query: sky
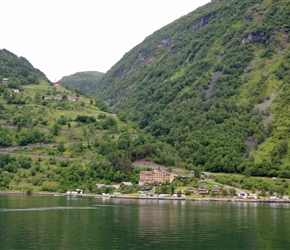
x=62 y=37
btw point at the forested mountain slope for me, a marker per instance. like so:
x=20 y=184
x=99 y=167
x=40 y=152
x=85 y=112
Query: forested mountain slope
x=213 y=86
x=18 y=69
x=55 y=139
x=82 y=80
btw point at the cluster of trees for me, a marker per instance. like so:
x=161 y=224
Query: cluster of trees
x=34 y=135
x=254 y=184
x=9 y=166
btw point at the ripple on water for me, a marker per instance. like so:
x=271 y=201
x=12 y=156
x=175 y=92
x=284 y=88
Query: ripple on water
x=45 y=209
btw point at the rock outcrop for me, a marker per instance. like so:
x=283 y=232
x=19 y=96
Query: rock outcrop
x=201 y=22
x=215 y=76
x=253 y=37
x=142 y=58
x=165 y=43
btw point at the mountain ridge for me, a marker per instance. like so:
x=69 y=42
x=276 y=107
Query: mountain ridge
x=160 y=83
x=83 y=80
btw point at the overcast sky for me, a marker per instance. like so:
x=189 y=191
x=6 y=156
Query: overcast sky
x=62 y=37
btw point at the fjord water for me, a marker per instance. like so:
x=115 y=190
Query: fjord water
x=34 y=222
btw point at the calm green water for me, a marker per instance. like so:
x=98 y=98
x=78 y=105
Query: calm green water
x=31 y=222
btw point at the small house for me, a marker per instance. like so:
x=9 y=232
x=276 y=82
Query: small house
x=71 y=99
x=5 y=80
x=183 y=178
x=191 y=189
x=100 y=185
x=124 y=183
x=273 y=197
x=75 y=192
x=242 y=195
x=46 y=97
x=58 y=84
x=203 y=190
x=253 y=196
x=58 y=97
x=215 y=190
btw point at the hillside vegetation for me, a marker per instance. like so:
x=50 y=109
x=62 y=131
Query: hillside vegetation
x=55 y=139
x=18 y=69
x=82 y=80
x=212 y=87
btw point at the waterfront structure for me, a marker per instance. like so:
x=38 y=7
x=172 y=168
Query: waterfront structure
x=75 y=192
x=216 y=190
x=203 y=190
x=155 y=176
x=191 y=189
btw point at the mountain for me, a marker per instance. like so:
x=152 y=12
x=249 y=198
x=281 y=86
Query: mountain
x=56 y=139
x=18 y=67
x=82 y=80
x=212 y=87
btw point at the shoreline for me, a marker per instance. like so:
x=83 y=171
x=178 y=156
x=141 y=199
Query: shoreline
x=279 y=201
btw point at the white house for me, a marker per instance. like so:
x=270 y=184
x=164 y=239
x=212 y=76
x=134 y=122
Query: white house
x=5 y=80
x=75 y=192
x=253 y=196
x=242 y=195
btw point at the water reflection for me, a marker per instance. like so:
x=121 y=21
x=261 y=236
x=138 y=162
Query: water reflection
x=60 y=223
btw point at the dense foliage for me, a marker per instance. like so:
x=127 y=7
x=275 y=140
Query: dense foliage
x=83 y=81
x=18 y=69
x=195 y=85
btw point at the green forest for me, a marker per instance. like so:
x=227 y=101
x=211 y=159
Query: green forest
x=203 y=85
x=208 y=92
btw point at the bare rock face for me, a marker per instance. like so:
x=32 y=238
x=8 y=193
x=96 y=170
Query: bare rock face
x=166 y=43
x=253 y=37
x=215 y=76
x=142 y=58
x=118 y=73
x=201 y=22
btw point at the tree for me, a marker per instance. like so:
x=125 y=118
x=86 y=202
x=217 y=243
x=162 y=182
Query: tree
x=61 y=147
x=55 y=129
x=5 y=181
x=263 y=192
x=6 y=139
x=224 y=192
x=197 y=173
x=79 y=148
x=232 y=191
x=125 y=140
x=37 y=98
